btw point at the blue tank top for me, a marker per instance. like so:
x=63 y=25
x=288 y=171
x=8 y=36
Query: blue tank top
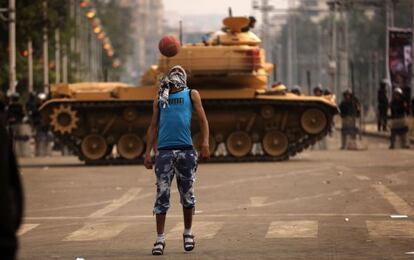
x=174 y=130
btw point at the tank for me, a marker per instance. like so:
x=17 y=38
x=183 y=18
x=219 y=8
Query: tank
x=105 y=123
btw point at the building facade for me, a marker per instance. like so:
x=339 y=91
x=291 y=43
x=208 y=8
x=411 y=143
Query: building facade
x=148 y=29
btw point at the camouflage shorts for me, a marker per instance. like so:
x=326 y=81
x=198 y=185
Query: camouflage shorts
x=183 y=164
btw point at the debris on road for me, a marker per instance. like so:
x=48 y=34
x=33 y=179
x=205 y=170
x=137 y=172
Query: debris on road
x=398 y=216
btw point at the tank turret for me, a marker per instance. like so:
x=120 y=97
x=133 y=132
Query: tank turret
x=231 y=57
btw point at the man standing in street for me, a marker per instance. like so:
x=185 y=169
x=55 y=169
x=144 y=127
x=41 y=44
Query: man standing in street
x=399 y=110
x=350 y=111
x=171 y=125
x=382 y=106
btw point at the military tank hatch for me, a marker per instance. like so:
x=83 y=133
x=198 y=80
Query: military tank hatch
x=105 y=123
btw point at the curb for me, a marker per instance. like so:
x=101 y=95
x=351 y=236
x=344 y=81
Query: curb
x=382 y=135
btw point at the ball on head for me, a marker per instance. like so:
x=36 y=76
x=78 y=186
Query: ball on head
x=169 y=46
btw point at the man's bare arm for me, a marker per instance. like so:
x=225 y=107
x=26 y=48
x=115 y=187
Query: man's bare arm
x=198 y=106
x=151 y=134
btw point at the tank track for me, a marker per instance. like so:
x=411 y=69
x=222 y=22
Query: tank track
x=294 y=147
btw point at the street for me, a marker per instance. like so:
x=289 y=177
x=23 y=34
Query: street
x=319 y=205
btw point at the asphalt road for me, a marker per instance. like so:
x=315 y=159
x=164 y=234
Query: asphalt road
x=322 y=204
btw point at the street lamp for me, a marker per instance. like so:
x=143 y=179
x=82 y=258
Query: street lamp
x=101 y=35
x=97 y=30
x=84 y=3
x=91 y=13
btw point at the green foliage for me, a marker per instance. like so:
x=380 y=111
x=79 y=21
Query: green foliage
x=29 y=25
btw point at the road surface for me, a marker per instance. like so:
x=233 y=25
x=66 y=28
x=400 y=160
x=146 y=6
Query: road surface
x=322 y=204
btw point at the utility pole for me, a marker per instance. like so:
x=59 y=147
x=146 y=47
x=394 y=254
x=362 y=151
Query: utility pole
x=265 y=23
x=12 y=46
x=333 y=59
x=289 y=46
x=45 y=50
x=344 y=52
x=57 y=56
x=376 y=71
x=387 y=40
x=264 y=9
x=78 y=42
x=65 y=64
x=319 y=53
x=280 y=62
x=412 y=49
x=72 y=46
x=30 y=67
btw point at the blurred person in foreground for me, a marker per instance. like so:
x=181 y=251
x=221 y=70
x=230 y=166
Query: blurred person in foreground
x=399 y=126
x=383 y=104
x=11 y=196
x=350 y=110
x=3 y=106
x=175 y=155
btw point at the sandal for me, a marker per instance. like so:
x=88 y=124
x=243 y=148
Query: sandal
x=158 y=248
x=189 y=242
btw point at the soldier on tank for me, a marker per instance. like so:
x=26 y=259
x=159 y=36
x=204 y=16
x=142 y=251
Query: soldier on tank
x=399 y=126
x=297 y=90
x=327 y=92
x=318 y=91
x=350 y=111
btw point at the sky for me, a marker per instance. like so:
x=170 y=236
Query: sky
x=239 y=7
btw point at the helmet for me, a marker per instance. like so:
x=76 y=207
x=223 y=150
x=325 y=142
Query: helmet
x=14 y=97
x=41 y=96
x=296 y=90
x=278 y=87
x=327 y=91
x=385 y=81
x=398 y=91
x=347 y=92
x=318 y=88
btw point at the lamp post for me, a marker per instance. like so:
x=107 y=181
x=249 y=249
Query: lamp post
x=12 y=46
x=412 y=50
x=45 y=50
x=57 y=56
x=30 y=67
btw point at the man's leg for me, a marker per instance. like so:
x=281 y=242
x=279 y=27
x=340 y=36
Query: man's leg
x=160 y=220
x=392 y=139
x=188 y=219
x=164 y=173
x=186 y=167
x=343 y=139
x=379 y=121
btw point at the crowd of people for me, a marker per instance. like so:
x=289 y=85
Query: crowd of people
x=23 y=120
x=392 y=113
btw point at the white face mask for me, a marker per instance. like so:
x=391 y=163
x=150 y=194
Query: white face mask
x=178 y=78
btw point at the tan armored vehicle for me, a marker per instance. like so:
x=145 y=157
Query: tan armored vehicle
x=106 y=122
